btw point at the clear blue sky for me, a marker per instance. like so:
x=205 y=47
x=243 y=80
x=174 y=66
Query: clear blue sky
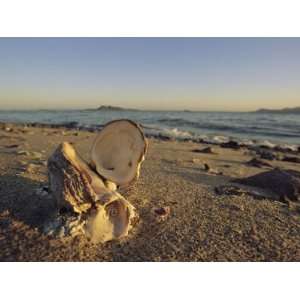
x=150 y=73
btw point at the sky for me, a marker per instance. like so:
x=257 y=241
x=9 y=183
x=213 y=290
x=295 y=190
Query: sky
x=215 y=74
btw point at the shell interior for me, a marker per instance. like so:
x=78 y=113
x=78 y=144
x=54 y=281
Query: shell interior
x=118 y=151
x=111 y=220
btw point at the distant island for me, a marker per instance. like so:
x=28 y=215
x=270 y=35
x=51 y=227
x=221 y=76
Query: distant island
x=111 y=108
x=294 y=110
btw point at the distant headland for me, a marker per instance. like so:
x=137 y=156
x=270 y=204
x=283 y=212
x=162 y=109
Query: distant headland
x=294 y=110
x=111 y=108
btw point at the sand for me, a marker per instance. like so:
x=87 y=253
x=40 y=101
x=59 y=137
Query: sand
x=201 y=225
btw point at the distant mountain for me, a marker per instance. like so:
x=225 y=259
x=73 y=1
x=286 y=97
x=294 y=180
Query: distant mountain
x=294 y=110
x=111 y=108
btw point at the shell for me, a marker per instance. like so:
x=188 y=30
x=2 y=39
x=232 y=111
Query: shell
x=89 y=190
x=72 y=182
x=112 y=219
x=118 y=151
x=74 y=185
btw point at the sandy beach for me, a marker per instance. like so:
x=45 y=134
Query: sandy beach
x=205 y=221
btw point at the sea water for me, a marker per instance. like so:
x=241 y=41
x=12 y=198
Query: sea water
x=262 y=128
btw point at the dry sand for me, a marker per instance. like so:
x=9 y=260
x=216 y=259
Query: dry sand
x=201 y=225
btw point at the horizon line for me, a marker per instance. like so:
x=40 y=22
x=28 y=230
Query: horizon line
x=120 y=108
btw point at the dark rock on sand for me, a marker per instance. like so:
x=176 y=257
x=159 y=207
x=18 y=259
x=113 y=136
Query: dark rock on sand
x=278 y=148
x=231 y=145
x=257 y=163
x=162 y=211
x=284 y=183
x=188 y=140
x=206 y=167
x=267 y=155
x=266 y=147
x=204 y=150
x=231 y=190
x=292 y=159
x=12 y=146
x=71 y=125
x=163 y=137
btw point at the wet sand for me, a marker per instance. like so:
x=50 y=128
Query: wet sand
x=202 y=225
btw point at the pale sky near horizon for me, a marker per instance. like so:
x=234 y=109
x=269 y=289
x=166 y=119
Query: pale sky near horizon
x=150 y=73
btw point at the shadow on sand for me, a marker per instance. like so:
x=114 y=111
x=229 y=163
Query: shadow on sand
x=19 y=198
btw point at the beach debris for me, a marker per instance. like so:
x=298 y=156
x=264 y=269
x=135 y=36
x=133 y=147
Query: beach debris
x=163 y=137
x=231 y=144
x=12 y=146
x=162 y=212
x=207 y=150
x=36 y=155
x=233 y=190
x=196 y=160
x=287 y=149
x=268 y=155
x=31 y=168
x=292 y=159
x=8 y=129
x=90 y=190
x=215 y=172
x=255 y=162
x=23 y=152
x=206 y=167
x=285 y=184
x=232 y=206
x=226 y=166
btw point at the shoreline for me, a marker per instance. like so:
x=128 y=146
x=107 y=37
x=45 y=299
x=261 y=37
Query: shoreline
x=230 y=143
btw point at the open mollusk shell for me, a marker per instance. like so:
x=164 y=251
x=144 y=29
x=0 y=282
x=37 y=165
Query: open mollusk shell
x=118 y=151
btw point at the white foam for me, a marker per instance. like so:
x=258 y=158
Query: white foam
x=176 y=133
x=171 y=133
x=219 y=139
x=212 y=139
x=266 y=143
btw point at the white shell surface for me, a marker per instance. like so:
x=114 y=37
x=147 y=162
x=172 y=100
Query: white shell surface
x=111 y=220
x=118 y=151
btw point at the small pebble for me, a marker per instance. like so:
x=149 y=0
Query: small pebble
x=162 y=211
x=36 y=155
x=196 y=160
x=31 y=168
x=22 y=152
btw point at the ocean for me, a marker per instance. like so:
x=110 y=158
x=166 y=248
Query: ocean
x=248 y=128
